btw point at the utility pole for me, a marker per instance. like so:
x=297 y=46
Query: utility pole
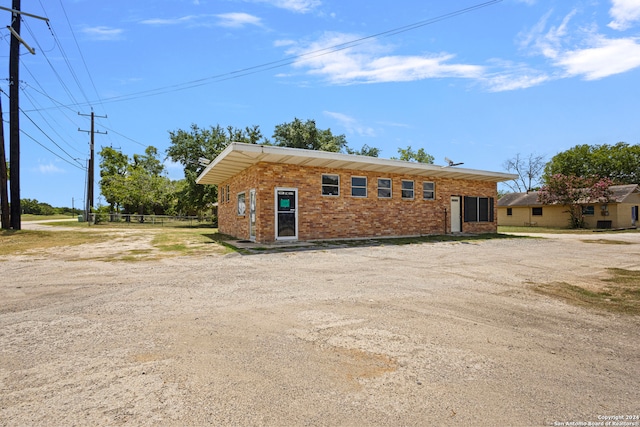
x=14 y=108
x=4 y=192
x=90 y=171
x=14 y=119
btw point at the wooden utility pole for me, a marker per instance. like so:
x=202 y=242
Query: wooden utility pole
x=4 y=192
x=14 y=118
x=14 y=109
x=90 y=172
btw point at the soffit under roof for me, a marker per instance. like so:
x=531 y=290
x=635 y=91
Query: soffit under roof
x=239 y=156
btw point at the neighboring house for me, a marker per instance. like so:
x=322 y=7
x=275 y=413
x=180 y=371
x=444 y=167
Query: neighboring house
x=268 y=194
x=518 y=209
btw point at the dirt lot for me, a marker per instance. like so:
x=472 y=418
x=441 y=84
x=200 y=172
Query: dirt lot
x=423 y=334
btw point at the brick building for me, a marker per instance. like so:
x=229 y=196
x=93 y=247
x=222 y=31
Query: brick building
x=269 y=194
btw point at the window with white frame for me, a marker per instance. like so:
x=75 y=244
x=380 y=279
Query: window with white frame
x=359 y=186
x=429 y=190
x=330 y=185
x=242 y=205
x=384 y=188
x=407 y=189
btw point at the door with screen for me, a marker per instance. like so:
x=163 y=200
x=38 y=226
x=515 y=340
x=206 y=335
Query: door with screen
x=286 y=213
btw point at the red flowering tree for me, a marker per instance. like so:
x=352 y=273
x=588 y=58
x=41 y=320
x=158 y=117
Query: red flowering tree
x=575 y=192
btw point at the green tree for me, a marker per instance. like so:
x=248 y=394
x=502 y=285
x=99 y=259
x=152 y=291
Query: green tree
x=138 y=185
x=146 y=192
x=420 y=156
x=575 y=192
x=619 y=162
x=298 y=134
x=34 y=207
x=113 y=172
x=188 y=147
x=364 y=151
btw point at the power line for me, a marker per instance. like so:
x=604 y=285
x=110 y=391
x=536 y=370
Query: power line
x=48 y=137
x=52 y=152
x=45 y=120
x=84 y=62
x=293 y=59
x=61 y=106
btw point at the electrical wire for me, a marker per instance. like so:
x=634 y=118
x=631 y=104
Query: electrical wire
x=46 y=121
x=52 y=152
x=293 y=59
x=48 y=137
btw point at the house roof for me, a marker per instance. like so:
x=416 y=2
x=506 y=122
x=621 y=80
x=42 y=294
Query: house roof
x=520 y=199
x=239 y=156
x=619 y=194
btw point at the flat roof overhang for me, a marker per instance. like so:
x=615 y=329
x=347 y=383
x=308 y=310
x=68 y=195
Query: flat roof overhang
x=240 y=156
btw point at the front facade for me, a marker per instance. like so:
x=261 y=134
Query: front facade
x=524 y=209
x=268 y=194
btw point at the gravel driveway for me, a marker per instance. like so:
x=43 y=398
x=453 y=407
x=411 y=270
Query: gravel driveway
x=425 y=334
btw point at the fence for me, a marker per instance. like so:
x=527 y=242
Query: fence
x=152 y=220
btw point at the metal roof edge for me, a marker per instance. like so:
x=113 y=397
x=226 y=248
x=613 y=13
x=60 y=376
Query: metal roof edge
x=352 y=158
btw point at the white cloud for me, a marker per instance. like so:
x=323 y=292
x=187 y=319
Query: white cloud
x=548 y=43
x=351 y=124
x=299 y=6
x=230 y=20
x=513 y=77
x=606 y=58
x=624 y=14
x=369 y=63
x=48 y=169
x=581 y=52
x=237 y=20
x=170 y=21
x=284 y=43
x=103 y=33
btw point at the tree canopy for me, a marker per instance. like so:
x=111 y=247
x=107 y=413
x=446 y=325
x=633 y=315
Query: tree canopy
x=299 y=134
x=619 y=162
x=409 y=155
x=574 y=192
x=137 y=185
x=188 y=147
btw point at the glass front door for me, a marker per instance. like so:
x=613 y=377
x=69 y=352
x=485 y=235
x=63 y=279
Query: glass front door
x=286 y=213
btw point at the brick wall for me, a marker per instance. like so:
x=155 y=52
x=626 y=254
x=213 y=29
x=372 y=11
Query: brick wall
x=345 y=216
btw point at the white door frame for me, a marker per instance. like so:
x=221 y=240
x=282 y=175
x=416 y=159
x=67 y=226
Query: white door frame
x=294 y=211
x=456 y=210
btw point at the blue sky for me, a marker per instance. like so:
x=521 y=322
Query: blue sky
x=505 y=77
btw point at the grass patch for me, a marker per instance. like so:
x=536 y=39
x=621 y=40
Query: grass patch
x=619 y=293
x=31 y=217
x=546 y=230
x=606 y=241
x=166 y=241
x=549 y=230
x=21 y=241
x=398 y=241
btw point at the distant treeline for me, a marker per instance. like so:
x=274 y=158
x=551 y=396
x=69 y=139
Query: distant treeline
x=34 y=207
